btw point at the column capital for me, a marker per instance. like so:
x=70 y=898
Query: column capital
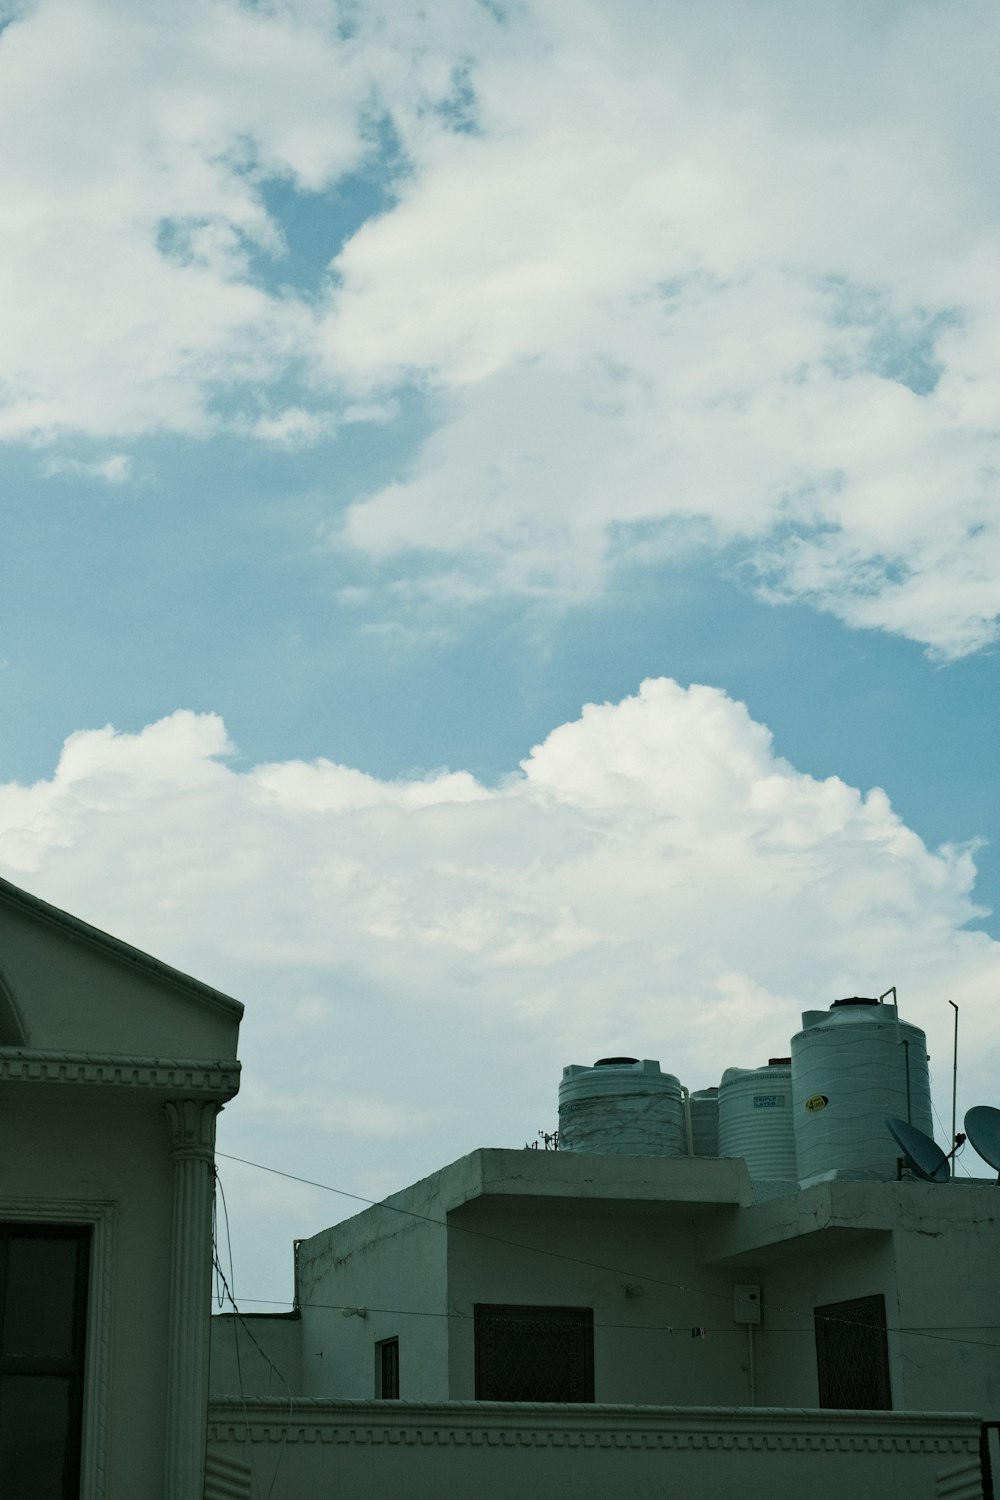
x=191 y=1123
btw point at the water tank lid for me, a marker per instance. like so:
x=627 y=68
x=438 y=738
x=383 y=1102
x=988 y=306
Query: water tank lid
x=855 y=1000
x=779 y=1062
x=615 y=1062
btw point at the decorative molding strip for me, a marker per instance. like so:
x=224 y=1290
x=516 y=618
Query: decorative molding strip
x=220 y=1079
x=470 y=1424
x=191 y=1124
x=100 y=1320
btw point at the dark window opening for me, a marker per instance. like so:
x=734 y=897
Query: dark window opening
x=388 y=1369
x=534 y=1353
x=852 y=1355
x=43 y=1308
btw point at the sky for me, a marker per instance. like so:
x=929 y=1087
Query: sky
x=500 y=554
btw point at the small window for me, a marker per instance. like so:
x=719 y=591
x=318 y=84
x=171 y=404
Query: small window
x=852 y=1355
x=534 y=1353
x=387 y=1369
x=43 y=1304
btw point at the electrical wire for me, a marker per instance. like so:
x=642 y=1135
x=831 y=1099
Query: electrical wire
x=419 y=1312
x=812 y=1317
x=240 y=1321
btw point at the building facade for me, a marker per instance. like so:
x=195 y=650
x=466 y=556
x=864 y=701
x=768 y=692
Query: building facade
x=743 y=1270
x=113 y=1068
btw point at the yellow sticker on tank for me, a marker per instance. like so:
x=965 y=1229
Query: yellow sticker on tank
x=818 y=1101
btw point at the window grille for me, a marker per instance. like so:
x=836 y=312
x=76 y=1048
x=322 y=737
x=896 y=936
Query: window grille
x=388 y=1369
x=534 y=1353
x=43 y=1307
x=852 y=1355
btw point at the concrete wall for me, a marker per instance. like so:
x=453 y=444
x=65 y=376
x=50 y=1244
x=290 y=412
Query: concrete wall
x=319 y=1450
x=575 y=1260
x=393 y=1265
x=820 y=1273
x=256 y=1354
x=930 y=1250
x=948 y=1276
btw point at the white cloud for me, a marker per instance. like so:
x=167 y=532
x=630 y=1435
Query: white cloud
x=293 y=427
x=667 y=290
x=115 y=469
x=655 y=879
x=132 y=209
x=723 y=275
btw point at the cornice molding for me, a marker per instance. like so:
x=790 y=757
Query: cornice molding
x=528 y=1425
x=160 y=1075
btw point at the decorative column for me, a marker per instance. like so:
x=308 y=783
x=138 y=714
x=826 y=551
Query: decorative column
x=192 y=1142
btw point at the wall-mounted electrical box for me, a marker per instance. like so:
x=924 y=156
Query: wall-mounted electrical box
x=746 y=1303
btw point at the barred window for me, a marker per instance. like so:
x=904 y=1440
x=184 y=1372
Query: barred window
x=387 y=1357
x=852 y=1355
x=43 y=1304
x=534 y=1353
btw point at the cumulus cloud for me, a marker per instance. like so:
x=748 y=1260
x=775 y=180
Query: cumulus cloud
x=670 y=295
x=720 y=278
x=133 y=211
x=641 y=853
x=420 y=957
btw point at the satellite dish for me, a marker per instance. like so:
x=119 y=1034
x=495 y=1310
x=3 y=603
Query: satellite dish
x=982 y=1126
x=923 y=1155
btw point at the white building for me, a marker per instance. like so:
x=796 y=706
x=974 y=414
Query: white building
x=529 y=1275
x=113 y=1068
x=622 y=1317
x=578 y=1321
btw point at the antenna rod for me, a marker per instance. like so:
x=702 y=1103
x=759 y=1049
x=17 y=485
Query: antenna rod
x=901 y=1040
x=954 y=1081
x=689 y=1133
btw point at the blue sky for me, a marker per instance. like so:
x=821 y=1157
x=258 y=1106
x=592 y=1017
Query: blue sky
x=379 y=389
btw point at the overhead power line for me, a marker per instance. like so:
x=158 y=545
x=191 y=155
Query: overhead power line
x=810 y=1316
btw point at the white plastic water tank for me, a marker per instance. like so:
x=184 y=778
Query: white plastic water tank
x=705 y=1121
x=851 y=1067
x=621 y=1104
x=755 y=1119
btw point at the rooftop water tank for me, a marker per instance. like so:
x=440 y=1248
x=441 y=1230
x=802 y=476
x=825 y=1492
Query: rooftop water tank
x=705 y=1121
x=621 y=1104
x=851 y=1067
x=755 y=1119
